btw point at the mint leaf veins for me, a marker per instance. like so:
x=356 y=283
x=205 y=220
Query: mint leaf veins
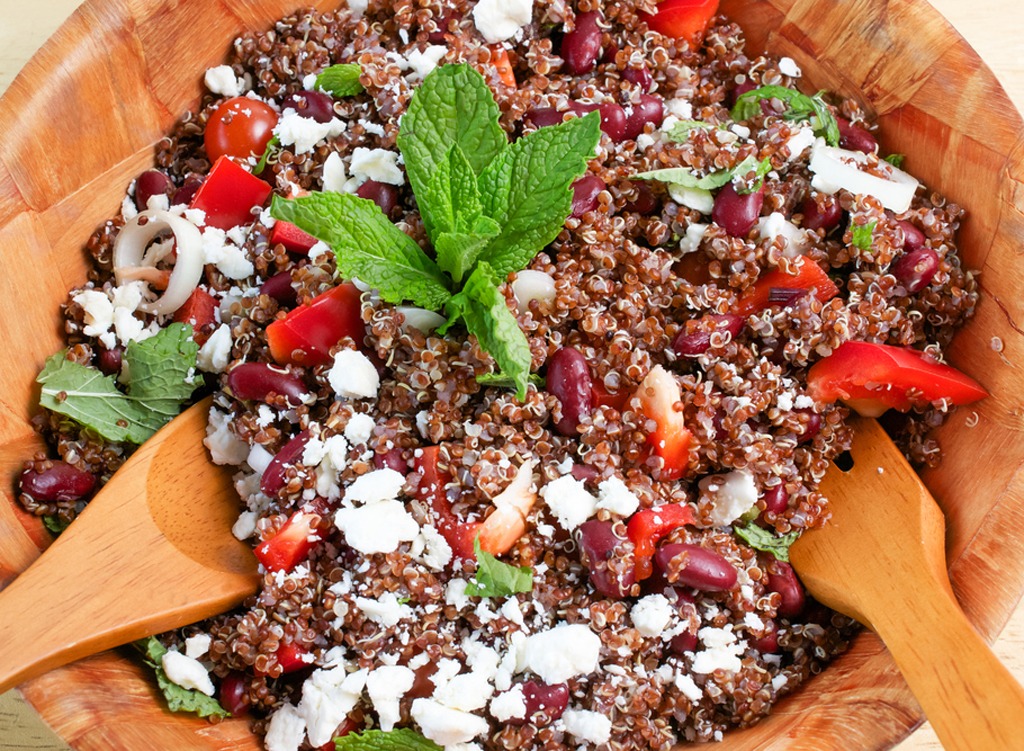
x=340 y=80
x=799 y=107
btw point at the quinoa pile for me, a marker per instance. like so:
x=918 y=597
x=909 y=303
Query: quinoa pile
x=328 y=645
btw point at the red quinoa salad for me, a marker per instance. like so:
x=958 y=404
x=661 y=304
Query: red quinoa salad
x=532 y=329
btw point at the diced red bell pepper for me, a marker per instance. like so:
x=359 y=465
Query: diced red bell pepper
x=458 y=534
x=809 y=276
x=872 y=378
x=659 y=394
x=229 y=194
x=307 y=334
x=199 y=311
x=291 y=237
x=683 y=19
x=604 y=398
x=291 y=657
x=647 y=528
x=502 y=65
x=290 y=545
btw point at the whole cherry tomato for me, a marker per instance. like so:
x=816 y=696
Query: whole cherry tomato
x=240 y=127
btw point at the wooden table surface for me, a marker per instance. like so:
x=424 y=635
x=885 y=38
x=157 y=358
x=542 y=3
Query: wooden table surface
x=994 y=27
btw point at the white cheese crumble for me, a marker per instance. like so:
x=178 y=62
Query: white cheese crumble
x=229 y=259
x=564 y=652
x=377 y=528
x=221 y=79
x=358 y=7
x=376 y=164
x=187 y=672
x=386 y=610
x=244 y=526
x=652 y=614
x=776 y=225
x=197 y=646
x=721 y=651
x=614 y=496
x=304 y=133
x=446 y=726
x=509 y=705
x=224 y=446
x=498 y=20
x=569 y=501
x=376 y=486
x=353 y=376
x=437 y=553
x=421 y=63
x=335 y=178
x=286 y=731
x=788 y=67
x=327 y=698
x=386 y=686
x=215 y=354
x=692 y=239
x=732 y=495
x=587 y=726
x=359 y=428
x=687 y=687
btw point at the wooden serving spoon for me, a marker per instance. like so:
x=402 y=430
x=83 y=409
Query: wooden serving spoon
x=151 y=552
x=881 y=559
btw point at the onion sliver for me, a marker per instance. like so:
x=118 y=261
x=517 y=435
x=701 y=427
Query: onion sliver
x=130 y=250
x=838 y=168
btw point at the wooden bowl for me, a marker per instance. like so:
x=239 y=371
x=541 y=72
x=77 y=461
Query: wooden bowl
x=82 y=119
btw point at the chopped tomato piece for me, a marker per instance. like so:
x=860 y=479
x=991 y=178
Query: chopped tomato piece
x=604 y=398
x=772 y=288
x=659 y=394
x=458 y=534
x=683 y=19
x=229 y=194
x=872 y=378
x=307 y=334
x=646 y=528
x=291 y=237
x=503 y=66
x=199 y=311
x=292 y=657
x=290 y=545
x=240 y=127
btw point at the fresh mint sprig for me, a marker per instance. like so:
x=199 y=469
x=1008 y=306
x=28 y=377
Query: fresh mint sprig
x=340 y=80
x=497 y=579
x=399 y=739
x=767 y=541
x=179 y=699
x=685 y=178
x=799 y=107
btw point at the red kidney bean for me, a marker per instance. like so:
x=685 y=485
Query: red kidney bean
x=699 y=341
x=639 y=76
x=598 y=543
x=769 y=642
x=650 y=109
x=737 y=213
x=913 y=238
x=233 y=695
x=584 y=194
x=61 y=482
x=812 y=428
x=545 y=703
x=916 y=269
x=443 y=25
x=645 y=203
x=776 y=500
x=684 y=642
x=312 y=104
x=273 y=476
x=391 y=459
x=584 y=472
x=816 y=217
x=187 y=191
x=568 y=379
x=382 y=194
x=279 y=287
x=109 y=360
x=256 y=381
x=703 y=569
x=786 y=584
x=855 y=138
x=739 y=91
x=581 y=47
x=543 y=116
x=613 y=117
x=151 y=183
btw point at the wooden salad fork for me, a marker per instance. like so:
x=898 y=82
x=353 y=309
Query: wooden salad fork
x=881 y=559
x=151 y=552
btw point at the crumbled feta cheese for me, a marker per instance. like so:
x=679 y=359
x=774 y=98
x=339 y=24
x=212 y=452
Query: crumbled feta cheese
x=421 y=63
x=187 y=672
x=215 y=354
x=378 y=527
x=358 y=7
x=687 y=687
x=732 y=495
x=466 y=692
x=245 y=526
x=679 y=107
x=318 y=249
x=721 y=651
x=331 y=464
x=222 y=80
x=353 y=376
x=692 y=239
x=509 y=705
x=498 y=20
x=564 y=652
x=327 y=698
x=455 y=593
x=334 y=174
x=437 y=553
x=386 y=686
x=587 y=726
x=304 y=133
x=446 y=726
x=776 y=225
x=376 y=164
x=98 y=309
x=229 y=259
x=753 y=622
x=197 y=646
x=613 y=495
x=128 y=208
x=259 y=458
x=784 y=401
x=386 y=610
x=799 y=142
x=569 y=501
x=645 y=140
x=788 y=67
x=423 y=423
x=286 y=731
x=359 y=428
x=652 y=614
x=376 y=486
x=224 y=446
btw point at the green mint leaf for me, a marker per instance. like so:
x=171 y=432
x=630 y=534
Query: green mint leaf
x=340 y=80
x=503 y=381
x=896 y=160
x=481 y=306
x=273 y=146
x=800 y=107
x=680 y=130
x=453 y=106
x=55 y=524
x=457 y=252
x=496 y=579
x=767 y=541
x=399 y=739
x=763 y=168
x=528 y=189
x=862 y=235
x=368 y=246
x=163 y=371
x=685 y=178
x=178 y=699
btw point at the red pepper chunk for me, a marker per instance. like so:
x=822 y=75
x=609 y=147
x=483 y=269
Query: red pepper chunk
x=292 y=657
x=199 y=311
x=458 y=534
x=872 y=378
x=229 y=195
x=682 y=19
x=291 y=237
x=307 y=334
x=648 y=527
x=659 y=394
x=809 y=276
x=290 y=545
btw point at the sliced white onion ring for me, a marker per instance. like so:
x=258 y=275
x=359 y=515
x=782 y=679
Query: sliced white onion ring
x=835 y=168
x=420 y=318
x=131 y=261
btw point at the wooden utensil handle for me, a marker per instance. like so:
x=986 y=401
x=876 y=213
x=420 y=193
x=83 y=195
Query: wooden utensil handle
x=968 y=695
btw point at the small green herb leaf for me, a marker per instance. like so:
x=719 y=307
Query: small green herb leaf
x=801 y=107
x=178 y=699
x=862 y=235
x=399 y=739
x=496 y=579
x=457 y=251
x=55 y=524
x=528 y=189
x=162 y=371
x=481 y=306
x=680 y=131
x=273 y=146
x=500 y=380
x=766 y=541
x=896 y=160
x=341 y=80
x=368 y=246
x=686 y=179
